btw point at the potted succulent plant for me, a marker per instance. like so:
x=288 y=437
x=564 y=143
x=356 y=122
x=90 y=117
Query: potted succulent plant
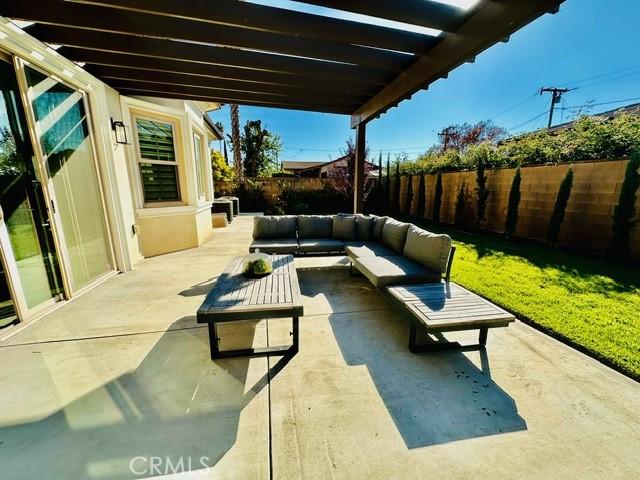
x=257 y=265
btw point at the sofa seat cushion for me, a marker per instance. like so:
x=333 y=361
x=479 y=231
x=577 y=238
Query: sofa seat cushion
x=394 y=234
x=428 y=249
x=385 y=271
x=315 y=226
x=274 y=226
x=276 y=245
x=368 y=249
x=320 y=245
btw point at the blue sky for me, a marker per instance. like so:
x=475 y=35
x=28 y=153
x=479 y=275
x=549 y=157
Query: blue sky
x=589 y=44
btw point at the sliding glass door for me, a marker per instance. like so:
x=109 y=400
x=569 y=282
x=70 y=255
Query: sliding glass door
x=69 y=162
x=28 y=252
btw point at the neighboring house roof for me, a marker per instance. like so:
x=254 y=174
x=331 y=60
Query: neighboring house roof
x=288 y=165
x=320 y=166
x=633 y=109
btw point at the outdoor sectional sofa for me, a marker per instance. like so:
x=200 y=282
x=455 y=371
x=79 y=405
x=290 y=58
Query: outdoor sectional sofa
x=403 y=261
x=384 y=250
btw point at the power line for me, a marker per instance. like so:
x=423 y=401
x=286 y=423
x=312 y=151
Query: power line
x=529 y=121
x=600 y=76
x=528 y=99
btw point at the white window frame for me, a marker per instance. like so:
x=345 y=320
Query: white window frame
x=201 y=171
x=175 y=129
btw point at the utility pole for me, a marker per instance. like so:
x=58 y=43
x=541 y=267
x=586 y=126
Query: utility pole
x=556 y=95
x=446 y=135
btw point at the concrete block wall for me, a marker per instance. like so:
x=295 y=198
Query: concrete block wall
x=587 y=222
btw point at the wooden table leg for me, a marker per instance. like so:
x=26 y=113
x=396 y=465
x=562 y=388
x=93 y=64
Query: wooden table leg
x=213 y=341
x=482 y=339
x=295 y=333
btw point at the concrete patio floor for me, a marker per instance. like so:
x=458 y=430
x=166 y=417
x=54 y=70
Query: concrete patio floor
x=123 y=374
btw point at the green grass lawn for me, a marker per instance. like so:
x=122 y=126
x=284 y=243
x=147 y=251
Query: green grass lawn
x=590 y=302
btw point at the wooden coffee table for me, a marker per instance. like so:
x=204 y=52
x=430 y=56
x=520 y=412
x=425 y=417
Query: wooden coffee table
x=235 y=297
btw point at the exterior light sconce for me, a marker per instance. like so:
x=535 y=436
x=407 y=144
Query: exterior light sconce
x=120 y=132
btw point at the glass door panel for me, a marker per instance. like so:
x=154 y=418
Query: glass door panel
x=62 y=127
x=23 y=207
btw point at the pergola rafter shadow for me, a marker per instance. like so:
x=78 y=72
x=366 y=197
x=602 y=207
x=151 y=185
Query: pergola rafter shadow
x=231 y=51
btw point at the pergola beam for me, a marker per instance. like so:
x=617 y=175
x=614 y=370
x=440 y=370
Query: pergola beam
x=95 y=60
x=279 y=20
x=196 y=98
x=91 y=17
x=493 y=23
x=245 y=61
x=426 y=13
x=109 y=73
x=226 y=96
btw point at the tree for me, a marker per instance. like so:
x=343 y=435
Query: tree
x=559 y=207
x=409 y=199
x=343 y=179
x=460 y=136
x=261 y=149
x=460 y=205
x=625 y=211
x=221 y=171
x=387 y=186
x=437 y=198
x=422 y=197
x=481 y=190
x=235 y=139
x=395 y=206
x=514 y=202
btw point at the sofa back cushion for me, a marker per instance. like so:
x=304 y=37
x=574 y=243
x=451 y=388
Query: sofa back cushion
x=394 y=234
x=315 y=226
x=274 y=226
x=364 y=226
x=378 y=224
x=344 y=227
x=428 y=249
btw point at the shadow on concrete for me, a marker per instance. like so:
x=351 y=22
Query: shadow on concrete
x=433 y=398
x=176 y=404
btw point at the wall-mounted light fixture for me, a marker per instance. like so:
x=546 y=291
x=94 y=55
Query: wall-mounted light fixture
x=120 y=131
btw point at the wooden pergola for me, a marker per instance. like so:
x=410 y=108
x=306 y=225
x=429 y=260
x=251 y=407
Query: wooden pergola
x=231 y=51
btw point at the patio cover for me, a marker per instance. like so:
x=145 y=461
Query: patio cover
x=230 y=51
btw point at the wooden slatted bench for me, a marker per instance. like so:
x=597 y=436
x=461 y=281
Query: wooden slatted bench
x=446 y=307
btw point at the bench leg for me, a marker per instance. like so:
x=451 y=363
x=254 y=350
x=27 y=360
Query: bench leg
x=442 y=345
x=482 y=338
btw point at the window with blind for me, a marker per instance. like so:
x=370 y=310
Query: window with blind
x=158 y=164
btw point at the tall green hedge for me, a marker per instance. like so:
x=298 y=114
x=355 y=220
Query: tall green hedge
x=422 y=198
x=481 y=190
x=625 y=211
x=460 y=205
x=514 y=203
x=557 y=216
x=437 y=198
x=409 y=199
x=395 y=207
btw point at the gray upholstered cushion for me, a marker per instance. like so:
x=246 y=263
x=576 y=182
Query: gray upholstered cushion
x=315 y=226
x=274 y=226
x=344 y=227
x=378 y=224
x=394 y=234
x=365 y=227
x=429 y=249
x=320 y=245
x=277 y=245
x=368 y=249
x=385 y=271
